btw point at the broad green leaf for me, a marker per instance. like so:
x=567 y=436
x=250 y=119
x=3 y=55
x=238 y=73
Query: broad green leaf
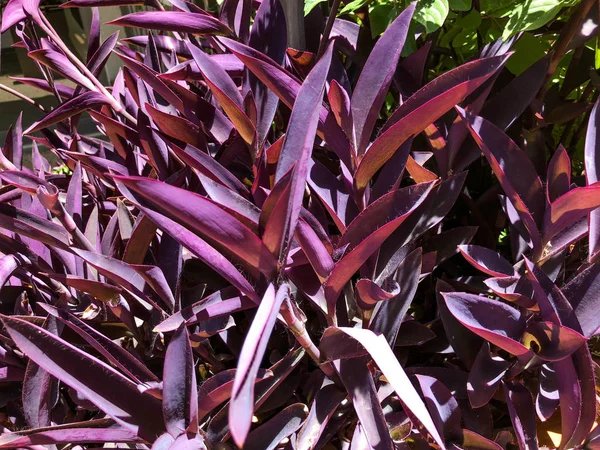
x=309 y=5
x=528 y=50
x=353 y=6
x=597 y=54
x=460 y=5
x=432 y=14
x=496 y=8
x=471 y=21
x=530 y=15
x=380 y=17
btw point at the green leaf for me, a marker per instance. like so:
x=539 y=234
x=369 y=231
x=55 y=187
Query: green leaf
x=309 y=5
x=353 y=6
x=530 y=15
x=431 y=14
x=597 y=54
x=496 y=8
x=528 y=50
x=466 y=42
x=469 y=22
x=380 y=17
x=460 y=5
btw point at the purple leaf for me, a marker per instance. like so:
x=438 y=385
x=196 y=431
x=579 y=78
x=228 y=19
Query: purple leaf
x=93 y=431
x=180 y=391
x=226 y=92
x=339 y=102
x=485 y=376
x=114 y=354
x=203 y=251
x=217 y=390
x=592 y=174
x=387 y=317
x=183 y=22
x=583 y=293
x=369 y=230
x=319 y=257
x=332 y=194
x=12 y=14
x=324 y=405
x=242 y=397
x=369 y=294
x=177 y=128
x=548 y=398
x=268 y=35
x=113 y=393
x=358 y=381
x=77 y=105
x=61 y=64
x=286 y=86
x=465 y=343
x=220 y=303
x=384 y=357
x=102 y=3
x=522 y=414
x=492 y=320
x=376 y=77
x=506 y=106
x=487 y=261
x=297 y=150
x=205 y=218
x=422 y=109
x=515 y=172
x=428 y=214
x=569 y=208
x=269 y=435
x=559 y=174
x=442 y=406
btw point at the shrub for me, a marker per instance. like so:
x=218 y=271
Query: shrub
x=253 y=252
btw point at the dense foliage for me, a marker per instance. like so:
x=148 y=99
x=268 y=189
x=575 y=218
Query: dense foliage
x=388 y=239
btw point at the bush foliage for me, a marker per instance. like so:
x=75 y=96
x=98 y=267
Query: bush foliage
x=387 y=239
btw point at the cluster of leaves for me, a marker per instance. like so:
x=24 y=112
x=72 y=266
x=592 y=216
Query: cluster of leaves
x=251 y=254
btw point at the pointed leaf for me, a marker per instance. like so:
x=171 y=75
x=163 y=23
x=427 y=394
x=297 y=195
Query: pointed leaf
x=376 y=77
x=183 y=22
x=113 y=393
x=241 y=406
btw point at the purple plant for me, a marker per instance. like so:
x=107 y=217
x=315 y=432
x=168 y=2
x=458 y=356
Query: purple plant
x=250 y=254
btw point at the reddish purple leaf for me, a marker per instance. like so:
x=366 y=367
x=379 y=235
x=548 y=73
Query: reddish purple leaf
x=375 y=79
x=205 y=218
x=93 y=431
x=183 y=22
x=242 y=397
x=77 y=105
x=180 y=391
x=220 y=303
x=522 y=414
x=269 y=435
x=113 y=393
x=487 y=261
x=494 y=321
x=388 y=317
x=369 y=294
x=485 y=376
x=515 y=172
x=369 y=230
x=384 y=357
x=592 y=174
x=442 y=406
x=559 y=174
x=422 y=109
x=226 y=92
